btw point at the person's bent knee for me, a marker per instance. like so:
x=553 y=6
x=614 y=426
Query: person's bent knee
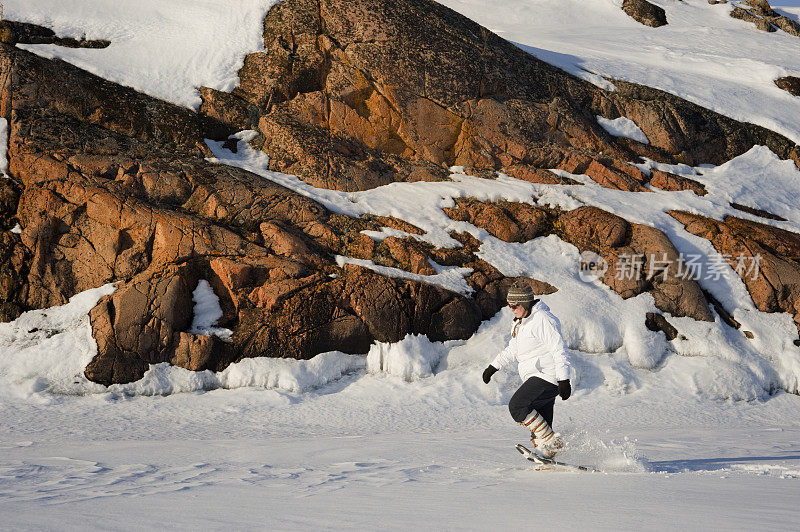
x=518 y=413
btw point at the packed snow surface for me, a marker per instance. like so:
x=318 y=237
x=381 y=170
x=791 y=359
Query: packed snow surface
x=700 y=432
x=408 y=436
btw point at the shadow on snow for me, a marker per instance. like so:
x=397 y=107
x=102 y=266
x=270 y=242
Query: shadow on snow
x=711 y=464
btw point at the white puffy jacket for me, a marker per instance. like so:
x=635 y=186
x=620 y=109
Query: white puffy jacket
x=537 y=347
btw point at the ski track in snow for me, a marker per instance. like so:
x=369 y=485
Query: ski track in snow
x=367 y=481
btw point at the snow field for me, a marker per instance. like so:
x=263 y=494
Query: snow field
x=366 y=482
x=164 y=49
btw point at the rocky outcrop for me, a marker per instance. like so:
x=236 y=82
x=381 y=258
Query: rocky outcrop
x=657 y=322
x=510 y=222
x=765 y=18
x=141 y=323
x=759 y=22
x=640 y=258
x=110 y=196
x=765 y=257
x=757 y=212
x=352 y=95
x=278 y=307
x=686 y=133
x=644 y=12
x=110 y=185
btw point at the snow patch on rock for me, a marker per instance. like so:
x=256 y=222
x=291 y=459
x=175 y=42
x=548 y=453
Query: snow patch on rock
x=448 y=277
x=3 y=147
x=164 y=49
x=207 y=312
x=623 y=127
x=758 y=178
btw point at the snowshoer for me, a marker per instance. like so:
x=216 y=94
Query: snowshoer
x=542 y=359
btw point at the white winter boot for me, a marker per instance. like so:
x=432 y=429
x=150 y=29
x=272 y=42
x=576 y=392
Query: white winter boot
x=545 y=442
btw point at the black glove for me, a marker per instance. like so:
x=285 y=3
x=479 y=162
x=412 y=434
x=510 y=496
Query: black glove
x=564 y=389
x=488 y=372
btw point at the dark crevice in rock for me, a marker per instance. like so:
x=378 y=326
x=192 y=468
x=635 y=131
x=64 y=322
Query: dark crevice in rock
x=15 y=257
x=724 y=315
x=657 y=322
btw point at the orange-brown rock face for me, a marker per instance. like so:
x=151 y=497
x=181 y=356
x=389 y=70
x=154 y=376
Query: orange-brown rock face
x=102 y=199
x=769 y=268
x=667 y=181
x=615 y=239
x=511 y=222
x=352 y=95
x=790 y=84
x=636 y=255
x=760 y=13
x=110 y=185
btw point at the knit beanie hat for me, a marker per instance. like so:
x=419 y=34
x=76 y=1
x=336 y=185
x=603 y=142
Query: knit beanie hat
x=521 y=292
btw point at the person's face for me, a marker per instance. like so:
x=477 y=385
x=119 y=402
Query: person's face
x=517 y=309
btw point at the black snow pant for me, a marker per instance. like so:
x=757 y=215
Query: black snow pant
x=534 y=394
